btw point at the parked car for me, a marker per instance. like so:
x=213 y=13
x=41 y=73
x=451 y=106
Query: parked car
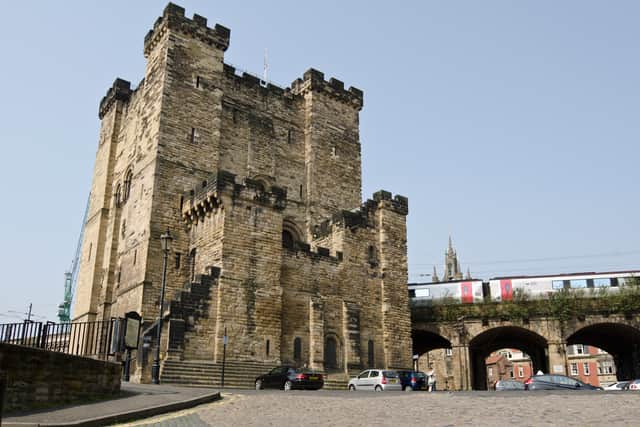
x=556 y=382
x=375 y=380
x=620 y=385
x=289 y=378
x=412 y=380
x=509 y=385
x=634 y=385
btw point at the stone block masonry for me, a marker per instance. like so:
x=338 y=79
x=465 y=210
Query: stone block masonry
x=38 y=378
x=258 y=183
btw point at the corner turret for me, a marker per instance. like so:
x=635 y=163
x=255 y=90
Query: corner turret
x=173 y=18
x=120 y=91
x=313 y=80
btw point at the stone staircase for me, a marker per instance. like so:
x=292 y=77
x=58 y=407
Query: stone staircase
x=241 y=375
x=203 y=373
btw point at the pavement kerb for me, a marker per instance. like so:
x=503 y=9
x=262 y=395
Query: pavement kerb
x=125 y=416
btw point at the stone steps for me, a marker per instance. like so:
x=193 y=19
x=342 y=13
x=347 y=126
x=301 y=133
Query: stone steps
x=201 y=373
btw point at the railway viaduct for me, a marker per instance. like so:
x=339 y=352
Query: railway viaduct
x=472 y=333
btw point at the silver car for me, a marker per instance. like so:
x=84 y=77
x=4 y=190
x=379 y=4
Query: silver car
x=375 y=380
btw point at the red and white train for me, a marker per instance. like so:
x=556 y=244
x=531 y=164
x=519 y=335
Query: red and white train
x=503 y=288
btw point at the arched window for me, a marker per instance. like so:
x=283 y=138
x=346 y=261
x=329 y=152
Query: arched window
x=290 y=234
x=297 y=349
x=118 y=195
x=370 y=354
x=287 y=239
x=127 y=186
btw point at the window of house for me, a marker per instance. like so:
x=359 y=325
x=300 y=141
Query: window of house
x=490 y=371
x=448 y=352
x=579 y=349
x=574 y=369
x=520 y=371
x=510 y=373
x=585 y=368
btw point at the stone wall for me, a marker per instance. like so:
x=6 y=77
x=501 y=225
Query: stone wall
x=37 y=378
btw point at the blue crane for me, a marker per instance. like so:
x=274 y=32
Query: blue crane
x=71 y=275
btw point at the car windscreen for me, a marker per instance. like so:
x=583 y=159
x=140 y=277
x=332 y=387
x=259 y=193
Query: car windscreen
x=304 y=371
x=390 y=374
x=420 y=375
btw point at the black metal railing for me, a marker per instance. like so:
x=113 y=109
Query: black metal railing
x=93 y=339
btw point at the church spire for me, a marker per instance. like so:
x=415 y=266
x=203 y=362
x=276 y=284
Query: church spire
x=468 y=276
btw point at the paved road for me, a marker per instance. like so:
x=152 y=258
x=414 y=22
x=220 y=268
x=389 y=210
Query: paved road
x=341 y=408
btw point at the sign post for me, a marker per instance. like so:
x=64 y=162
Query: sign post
x=131 y=338
x=225 y=339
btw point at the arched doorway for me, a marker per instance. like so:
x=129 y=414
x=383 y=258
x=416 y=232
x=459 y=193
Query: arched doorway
x=619 y=340
x=434 y=351
x=331 y=353
x=505 y=337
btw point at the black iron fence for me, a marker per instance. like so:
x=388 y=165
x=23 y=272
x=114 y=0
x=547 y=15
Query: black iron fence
x=92 y=339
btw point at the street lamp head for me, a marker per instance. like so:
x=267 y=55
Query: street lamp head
x=165 y=241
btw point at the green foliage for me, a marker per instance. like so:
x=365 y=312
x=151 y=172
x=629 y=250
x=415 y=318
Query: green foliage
x=564 y=305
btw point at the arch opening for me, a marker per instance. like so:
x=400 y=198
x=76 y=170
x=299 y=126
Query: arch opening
x=434 y=351
x=621 y=341
x=505 y=337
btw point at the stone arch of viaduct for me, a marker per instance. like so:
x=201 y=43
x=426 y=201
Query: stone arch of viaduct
x=543 y=339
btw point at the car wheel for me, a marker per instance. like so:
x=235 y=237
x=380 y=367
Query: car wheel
x=288 y=386
x=408 y=388
x=258 y=384
x=352 y=387
x=378 y=388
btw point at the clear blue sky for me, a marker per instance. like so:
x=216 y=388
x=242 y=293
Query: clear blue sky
x=511 y=125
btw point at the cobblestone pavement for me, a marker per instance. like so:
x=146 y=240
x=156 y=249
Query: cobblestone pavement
x=342 y=408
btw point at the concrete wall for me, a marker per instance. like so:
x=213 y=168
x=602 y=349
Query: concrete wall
x=38 y=378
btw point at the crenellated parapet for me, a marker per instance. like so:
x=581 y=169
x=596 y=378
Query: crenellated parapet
x=207 y=197
x=120 y=91
x=173 y=18
x=313 y=80
x=365 y=216
x=248 y=80
x=399 y=204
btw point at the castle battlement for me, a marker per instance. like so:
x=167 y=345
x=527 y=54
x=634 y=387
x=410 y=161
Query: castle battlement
x=362 y=218
x=119 y=91
x=253 y=82
x=174 y=18
x=205 y=198
x=313 y=80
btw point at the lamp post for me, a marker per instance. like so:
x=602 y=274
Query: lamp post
x=165 y=241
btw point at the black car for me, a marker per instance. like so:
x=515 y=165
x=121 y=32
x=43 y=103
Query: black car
x=556 y=382
x=412 y=380
x=289 y=378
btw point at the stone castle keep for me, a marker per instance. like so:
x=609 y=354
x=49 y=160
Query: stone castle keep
x=260 y=187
